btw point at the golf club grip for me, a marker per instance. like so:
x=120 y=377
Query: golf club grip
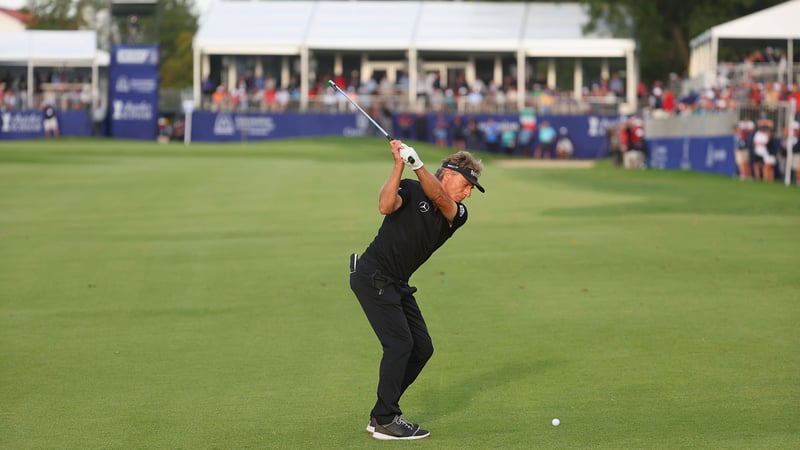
x=361 y=110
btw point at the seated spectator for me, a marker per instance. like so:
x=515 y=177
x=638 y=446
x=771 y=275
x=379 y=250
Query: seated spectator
x=564 y=147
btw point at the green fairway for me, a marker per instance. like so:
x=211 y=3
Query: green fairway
x=163 y=296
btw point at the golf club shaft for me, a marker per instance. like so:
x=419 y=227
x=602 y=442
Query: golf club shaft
x=352 y=102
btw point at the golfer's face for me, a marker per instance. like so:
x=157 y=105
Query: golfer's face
x=457 y=186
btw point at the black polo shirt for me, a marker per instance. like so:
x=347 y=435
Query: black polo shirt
x=410 y=235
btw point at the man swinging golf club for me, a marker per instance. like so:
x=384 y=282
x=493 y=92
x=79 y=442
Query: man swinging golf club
x=419 y=216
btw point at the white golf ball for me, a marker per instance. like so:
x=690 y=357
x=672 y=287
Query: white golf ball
x=556 y=422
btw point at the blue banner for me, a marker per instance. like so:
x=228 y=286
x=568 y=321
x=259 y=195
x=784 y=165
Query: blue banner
x=701 y=154
x=587 y=132
x=234 y=127
x=28 y=124
x=133 y=92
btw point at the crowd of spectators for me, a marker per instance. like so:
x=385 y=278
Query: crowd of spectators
x=264 y=93
x=63 y=90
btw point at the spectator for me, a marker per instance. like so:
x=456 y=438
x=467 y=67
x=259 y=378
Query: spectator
x=508 y=138
x=421 y=127
x=404 y=125
x=763 y=162
x=472 y=134
x=741 y=131
x=164 y=130
x=634 y=156
x=525 y=139
x=491 y=135
x=564 y=147
x=547 y=139
x=99 y=120
x=793 y=141
x=441 y=131
x=457 y=132
x=50 y=122
x=614 y=145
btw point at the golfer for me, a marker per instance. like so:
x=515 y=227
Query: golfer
x=420 y=215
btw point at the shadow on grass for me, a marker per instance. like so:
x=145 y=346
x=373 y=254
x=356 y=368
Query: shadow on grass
x=456 y=394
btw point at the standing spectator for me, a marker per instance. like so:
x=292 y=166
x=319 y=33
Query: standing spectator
x=614 y=145
x=763 y=161
x=457 y=133
x=793 y=141
x=564 y=147
x=634 y=156
x=50 y=122
x=525 y=139
x=742 y=150
x=404 y=125
x=547 y=139
x=509 y=139
x=440 y=130
x=99 y=120
x=472 y=134
x=491 y=135
x=421 y=127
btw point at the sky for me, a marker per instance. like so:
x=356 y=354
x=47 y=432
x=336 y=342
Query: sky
x=202 y=5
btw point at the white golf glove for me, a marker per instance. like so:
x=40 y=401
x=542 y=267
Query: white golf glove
x=410 y=157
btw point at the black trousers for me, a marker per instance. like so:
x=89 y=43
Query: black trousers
x=395 y=317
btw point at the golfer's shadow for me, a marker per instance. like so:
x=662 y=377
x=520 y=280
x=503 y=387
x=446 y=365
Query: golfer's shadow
x=445 y=397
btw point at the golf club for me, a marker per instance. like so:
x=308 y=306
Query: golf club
x=352 y=102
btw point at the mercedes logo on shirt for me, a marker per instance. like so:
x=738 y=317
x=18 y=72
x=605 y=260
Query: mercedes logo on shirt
x=424 y=206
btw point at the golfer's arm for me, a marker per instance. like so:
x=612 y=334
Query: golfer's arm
x=389 y=200
x=433 y=190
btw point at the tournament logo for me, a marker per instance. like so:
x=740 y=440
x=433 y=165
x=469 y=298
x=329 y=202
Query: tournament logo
x=122 y=84
x=224 y=125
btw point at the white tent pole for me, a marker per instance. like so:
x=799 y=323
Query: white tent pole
x=790 y=61
x=95 y=84
x=196 y=94
x=551 y=73
x=631 y=78
x=787 y=172
x=577 y=80
x=31 y=84
x=304 y=58
x=521 y=79
x=412 y=77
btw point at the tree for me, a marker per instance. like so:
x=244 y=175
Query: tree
x=663 y=29
x=173 y=27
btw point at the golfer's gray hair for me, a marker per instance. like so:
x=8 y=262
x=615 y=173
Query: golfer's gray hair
x=461 y=158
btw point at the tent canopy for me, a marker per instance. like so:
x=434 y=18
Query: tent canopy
x=286 y=27
x=46 y=47
x=777 y=22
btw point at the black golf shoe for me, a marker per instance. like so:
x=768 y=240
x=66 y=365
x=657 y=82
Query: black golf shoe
x=399 y=429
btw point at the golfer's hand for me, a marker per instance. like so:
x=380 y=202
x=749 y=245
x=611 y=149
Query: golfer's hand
x=410 y=157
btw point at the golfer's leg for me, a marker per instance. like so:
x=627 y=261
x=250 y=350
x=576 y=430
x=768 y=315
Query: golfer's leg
x=423 y=346
x=386 y=316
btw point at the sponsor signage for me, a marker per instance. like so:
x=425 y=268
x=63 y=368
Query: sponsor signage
x=700 y=154
x=133 y=96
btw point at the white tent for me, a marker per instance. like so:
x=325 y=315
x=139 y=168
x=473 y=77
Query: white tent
x=777 y=22
x=463 y=29
x=34 y=48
